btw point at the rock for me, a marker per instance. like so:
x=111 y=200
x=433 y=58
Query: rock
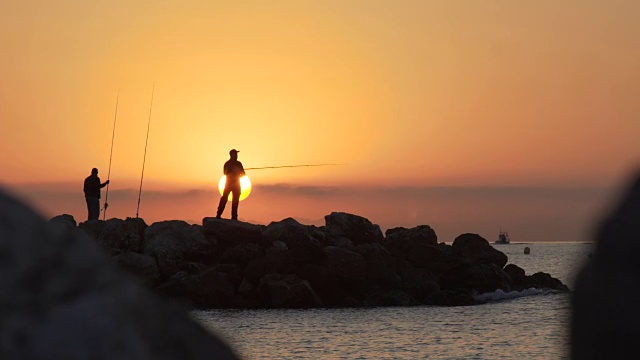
x=419 y=282
x=233 y=271
x=421 y=234
x=478 y=277
x=173 y=242
x=356 y=228
x=421 y=254
x=185 y=238
x=390 y=298
x=380 y=267
x=279 y=261
x=343 y=242
x=344 y=265
x=287 y=231
x=478 y=250
x=544 y=281
x=65 y=220
x=288 y=291
x=230 y=233
x=516 y=274
x=208 y=289
x=297 y=237
x=141 y=266
x=527 y=250
x=242 y=254
x=123 y=235
x=74 y=304
x=605 y=313
x=92 y=228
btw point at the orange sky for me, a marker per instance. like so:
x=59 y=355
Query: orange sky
x=405 y=93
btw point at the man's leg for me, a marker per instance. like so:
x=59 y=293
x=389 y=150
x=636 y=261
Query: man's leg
x=89 y=210
x=94 y=208
x=223 y=202
x=235 y=200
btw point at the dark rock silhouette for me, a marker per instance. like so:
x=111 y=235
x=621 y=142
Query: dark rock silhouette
x=605 y=308
x=356 y=228
x=347 y=262
x=61 y=298
x=478 y=250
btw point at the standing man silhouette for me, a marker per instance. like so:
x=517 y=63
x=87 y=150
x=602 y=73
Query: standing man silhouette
x=92 y=188
x=234 y=171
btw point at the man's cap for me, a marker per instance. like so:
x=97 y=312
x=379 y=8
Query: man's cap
x=94 y=170
x=234 y=151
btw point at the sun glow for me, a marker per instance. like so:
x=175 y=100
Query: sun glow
x=245 y=187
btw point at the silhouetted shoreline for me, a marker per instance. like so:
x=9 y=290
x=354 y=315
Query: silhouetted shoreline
x=346 y=263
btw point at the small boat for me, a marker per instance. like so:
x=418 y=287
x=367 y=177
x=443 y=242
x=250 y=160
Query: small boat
x=503 y=238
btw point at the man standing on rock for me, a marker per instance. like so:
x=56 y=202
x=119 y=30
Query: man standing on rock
x=92 y=188
x=234 y=171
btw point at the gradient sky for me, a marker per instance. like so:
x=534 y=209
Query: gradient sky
x=407 y=94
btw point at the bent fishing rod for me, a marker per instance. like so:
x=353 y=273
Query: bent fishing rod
x=290 y=166
x=113 y=134
x=144 y=159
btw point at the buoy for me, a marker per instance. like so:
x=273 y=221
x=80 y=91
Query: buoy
x=527 y=250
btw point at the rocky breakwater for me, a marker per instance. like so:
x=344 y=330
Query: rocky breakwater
x=347 y=262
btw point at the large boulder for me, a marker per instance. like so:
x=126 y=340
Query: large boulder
x=142 y=266
x=92 y=228
x=344 y=265
x=354 y=227
x=419 y=282
x=208 y=289
x=422 y=253
x=478 y=250
x=186 y=238
x=380 y=270
x=61 y=298
x=65 y=220
x=305 y=248
x=123 y=235
x=229 y=233
x=420 y=234
x=481 y=278
x=544 y=281
x=516 y=274
x=173 y=242
x=287 y=291
x=275 y=261
x=242 y=254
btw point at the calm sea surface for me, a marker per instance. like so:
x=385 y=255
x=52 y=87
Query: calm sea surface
x=534 y=326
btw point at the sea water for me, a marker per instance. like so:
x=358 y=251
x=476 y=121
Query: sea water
x=529 y=325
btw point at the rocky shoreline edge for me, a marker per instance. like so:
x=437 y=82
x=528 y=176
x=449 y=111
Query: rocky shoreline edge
x=349 y=262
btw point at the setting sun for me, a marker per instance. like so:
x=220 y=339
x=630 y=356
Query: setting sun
x=245 y=186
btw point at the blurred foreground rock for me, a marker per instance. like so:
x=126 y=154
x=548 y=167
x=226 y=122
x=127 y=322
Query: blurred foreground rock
x=60 y=298
x=606 y=316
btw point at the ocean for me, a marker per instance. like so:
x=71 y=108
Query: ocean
x=528 y=325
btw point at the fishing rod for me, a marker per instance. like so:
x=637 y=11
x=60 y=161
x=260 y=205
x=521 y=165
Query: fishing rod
x=113 y=135
x=144 y=159
x=289 y=166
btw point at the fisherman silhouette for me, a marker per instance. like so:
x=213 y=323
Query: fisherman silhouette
x=92 y=188
x=234 y=171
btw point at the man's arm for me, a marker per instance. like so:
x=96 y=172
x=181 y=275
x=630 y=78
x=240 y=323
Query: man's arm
x=103 y=184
